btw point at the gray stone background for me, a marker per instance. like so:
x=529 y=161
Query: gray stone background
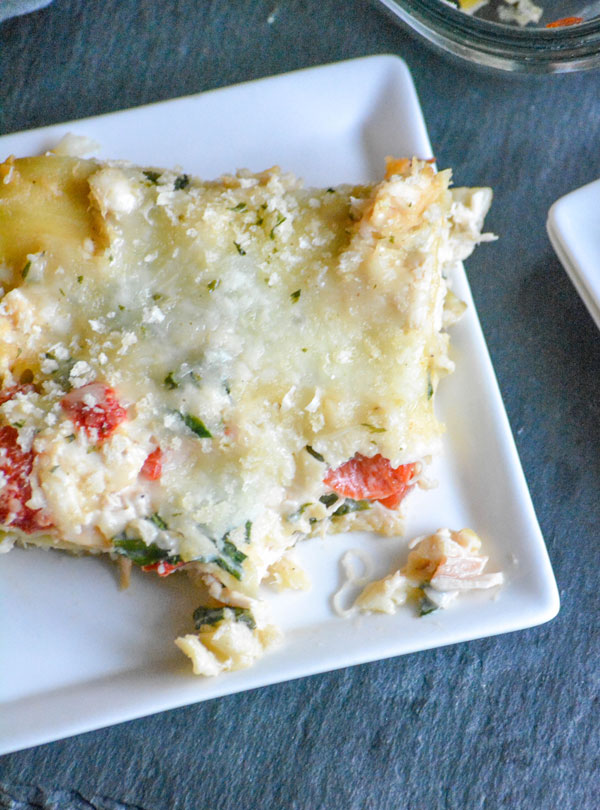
x=507 y=722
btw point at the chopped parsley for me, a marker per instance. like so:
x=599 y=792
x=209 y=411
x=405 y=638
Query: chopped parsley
x=240 y=249
x=247 y=531
x=239 y=207
x=212 y=285
x=329 y=499
x=25 y=270
x=79 y=279
x=295 y=296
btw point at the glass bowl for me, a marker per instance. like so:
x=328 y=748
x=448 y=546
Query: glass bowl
x=527 y=36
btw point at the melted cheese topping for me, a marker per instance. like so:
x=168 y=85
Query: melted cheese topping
x=238 y=322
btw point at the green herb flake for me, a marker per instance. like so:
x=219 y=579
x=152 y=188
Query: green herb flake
x=426 y=606
x=79 y=279
x=196 y=425
x=312 y=452
x=247 y=531
x=330 y=191
x=212 y=285
x=280 y=220
x=157 y=296
x=141 y=553
x=170 y=382
x=18 y=424
x=295 y=296
x=372 y=428
x=205 y=616
x=241 y=206
x=70 y=437
x=181 y=182
x=158 y=522
x=25 y=270
x=350 y=506
x=298 y=513
x=240 y=249
x=152 y=176
x=429 y=386
x=329 y=499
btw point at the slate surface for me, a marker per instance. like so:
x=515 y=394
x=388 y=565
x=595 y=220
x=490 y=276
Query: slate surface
x=509 y=722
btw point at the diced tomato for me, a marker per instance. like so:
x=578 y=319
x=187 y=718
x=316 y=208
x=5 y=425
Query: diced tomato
x=15 y=466
x=372 y=479
x=95 y=409
x=152 y=467
x=163 y=568
x=9 y=393
x=564 y=22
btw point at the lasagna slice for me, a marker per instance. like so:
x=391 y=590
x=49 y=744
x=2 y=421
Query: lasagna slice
x=196 y=375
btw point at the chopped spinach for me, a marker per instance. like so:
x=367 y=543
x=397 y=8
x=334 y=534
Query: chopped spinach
x=349 y=506
x=170 y=381
x=429 y=386
x=158 y=521
x=372 y=428
x=152 y=176
x=196 y=425
x=208 y=616
x=311 y=451
x=426 y=606
x=141 y=553
x=181 y=182
x=231 y=558
x=299 y=512
x=280 y=220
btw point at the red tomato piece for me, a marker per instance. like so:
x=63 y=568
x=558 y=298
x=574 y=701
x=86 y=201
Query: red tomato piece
x=373 y=479
x=163 y=568
x=16 y=465
x=8 y=393
x=95 y=409
x=152 y=467
x=565 y=21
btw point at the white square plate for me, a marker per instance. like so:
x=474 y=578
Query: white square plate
x=79 y=654
x=573 y=228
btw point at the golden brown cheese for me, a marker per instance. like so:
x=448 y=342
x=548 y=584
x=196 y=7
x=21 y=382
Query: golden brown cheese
x=184 y=363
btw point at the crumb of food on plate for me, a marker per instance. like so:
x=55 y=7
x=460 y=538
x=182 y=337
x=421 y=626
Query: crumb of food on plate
x=519 y=12
x=196 y=375
x=439 y=568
